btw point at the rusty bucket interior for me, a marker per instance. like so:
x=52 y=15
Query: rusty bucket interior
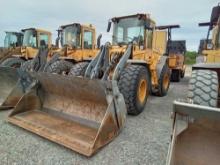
x=8 y=81
x=196 y=138
x=74 y=112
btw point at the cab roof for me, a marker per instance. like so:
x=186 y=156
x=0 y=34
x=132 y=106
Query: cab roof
x=36 y=29
x=139 y=15
x=78 y=24
x=14 y=32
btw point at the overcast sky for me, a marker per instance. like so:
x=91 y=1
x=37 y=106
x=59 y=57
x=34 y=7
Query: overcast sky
x=50 y=14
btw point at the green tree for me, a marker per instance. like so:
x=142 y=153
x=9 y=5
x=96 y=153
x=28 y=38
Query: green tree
x=191 y=57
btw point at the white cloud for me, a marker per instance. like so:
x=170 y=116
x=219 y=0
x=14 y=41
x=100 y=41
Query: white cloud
x=49 y=14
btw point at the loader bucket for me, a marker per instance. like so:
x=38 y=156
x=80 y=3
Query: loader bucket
x=78 y=113
x=8 y=80
x=196 y=135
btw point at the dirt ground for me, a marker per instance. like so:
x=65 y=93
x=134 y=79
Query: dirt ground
x=144 y=140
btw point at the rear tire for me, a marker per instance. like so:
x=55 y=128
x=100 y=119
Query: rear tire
x=60 y=67
x=13 y=62
x=79 y=69
x=164 y=81
x=203 y=88
x=134 y=84
x=182 y=74
x=175 y=75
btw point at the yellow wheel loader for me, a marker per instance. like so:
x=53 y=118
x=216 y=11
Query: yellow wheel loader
x=11 y=79
x=177 y=59
x=78 y=45
x=68 y=36
x=145 y=68
x=196 y=133
x=176 y=50
x=33 y=39
x=12 y=44
x=85 y=113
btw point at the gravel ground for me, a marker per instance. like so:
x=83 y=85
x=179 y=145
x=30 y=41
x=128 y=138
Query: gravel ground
x=144 y=140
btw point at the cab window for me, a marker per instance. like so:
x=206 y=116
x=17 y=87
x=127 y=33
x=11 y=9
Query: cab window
x=87 y=39
x=149 y=34
x=44 y=39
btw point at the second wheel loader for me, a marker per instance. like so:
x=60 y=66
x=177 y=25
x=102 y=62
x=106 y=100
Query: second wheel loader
x=12 y=44
x=196 y=133
x=176 y=50
x=33 y=40
x=78 y=45
x=85 y=113
x=20 y=55
x=177 y=59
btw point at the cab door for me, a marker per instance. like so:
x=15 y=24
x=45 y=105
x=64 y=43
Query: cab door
x=88 y=45
x=44 y=40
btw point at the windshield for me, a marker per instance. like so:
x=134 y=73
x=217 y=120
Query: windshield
x=30 y=38
x=127 y=30
x=71 y=36
x=11 y=40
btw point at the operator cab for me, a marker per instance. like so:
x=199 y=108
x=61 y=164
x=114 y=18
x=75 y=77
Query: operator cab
x=76 y=36
x=132 y=28
x=36 y=38
x=13 y=39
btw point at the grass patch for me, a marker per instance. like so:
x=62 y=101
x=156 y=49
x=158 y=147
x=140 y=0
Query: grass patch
x=190 y=57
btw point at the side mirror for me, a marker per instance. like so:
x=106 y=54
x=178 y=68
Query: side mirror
x=99 y=41
x=109 y=26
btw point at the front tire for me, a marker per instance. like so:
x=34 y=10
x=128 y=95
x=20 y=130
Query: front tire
x=164 y=81
x=182 y=73
x=203 y=88
x=60 y=67
x=13 y=62
x=134 y=84
x=79 y=69
x=175 y=75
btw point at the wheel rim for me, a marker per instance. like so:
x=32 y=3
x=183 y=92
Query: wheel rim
x=166 y=81
x=65 y=73
x=142 y=90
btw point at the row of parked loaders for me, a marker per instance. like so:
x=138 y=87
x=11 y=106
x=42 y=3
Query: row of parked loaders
x=83 y=106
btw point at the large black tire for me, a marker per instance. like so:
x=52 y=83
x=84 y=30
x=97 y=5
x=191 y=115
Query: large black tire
x=130 y=81
x=182 y=75
x=60 y=67
x=27 y=65
x=79 y=69
x=176 y=75
x=164 y=81
x=13 y=62
x=203 y=88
